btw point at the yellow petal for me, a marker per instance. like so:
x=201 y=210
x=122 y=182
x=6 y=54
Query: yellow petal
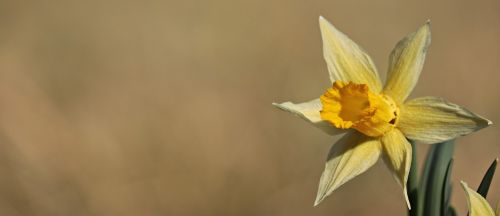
x=478 y=206
x=349 y=157
x=309 y=111
x=406 y=62
x=497 y=212
x=346 y=61
x=397 y=156
x=433 y=120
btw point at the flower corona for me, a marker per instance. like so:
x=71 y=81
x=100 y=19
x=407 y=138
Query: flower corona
x=350 y=105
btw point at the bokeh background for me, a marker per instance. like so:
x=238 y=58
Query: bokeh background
x=164 y=107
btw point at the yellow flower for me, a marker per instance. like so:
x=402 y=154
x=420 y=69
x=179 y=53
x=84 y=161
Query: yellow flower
x=478 y=206
x=377 y=120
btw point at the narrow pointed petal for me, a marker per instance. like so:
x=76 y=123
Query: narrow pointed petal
x=309 y=111
x=406 y=63
x=432 y=120
x=497 y=212
x=347 y=61
x=478 y=206
x=397 y=154
x=352 y=155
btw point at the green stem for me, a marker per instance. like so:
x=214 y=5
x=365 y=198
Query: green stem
x=423 y=180
x=434 y=182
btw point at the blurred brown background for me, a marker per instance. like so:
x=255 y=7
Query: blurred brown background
x=164 y=107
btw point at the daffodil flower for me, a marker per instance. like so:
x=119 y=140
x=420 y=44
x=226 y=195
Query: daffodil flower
x=377 y=121
x=478 y=206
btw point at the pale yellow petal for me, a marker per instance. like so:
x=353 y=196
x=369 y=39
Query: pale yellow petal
x=346 y=61
x=397 y=156
x=352 y=155
x=309 y=111
x=478 y=206
x=433 y=120
x=497 y=212
x=406 y=63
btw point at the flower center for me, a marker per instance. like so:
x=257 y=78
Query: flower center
x=350 y=105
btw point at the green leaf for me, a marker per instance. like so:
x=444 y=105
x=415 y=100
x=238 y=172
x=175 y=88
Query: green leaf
x=423 y=180
x=413 y=182
x=486 y=182
x=446 y=188
x=434 y=174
